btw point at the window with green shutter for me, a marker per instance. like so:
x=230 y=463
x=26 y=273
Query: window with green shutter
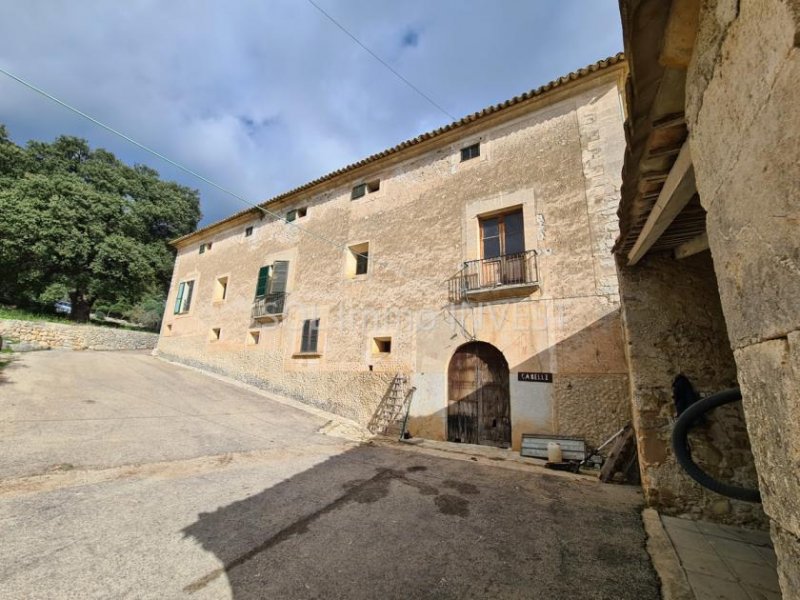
x=179 y=298
x=262 y=285
x=183 y=300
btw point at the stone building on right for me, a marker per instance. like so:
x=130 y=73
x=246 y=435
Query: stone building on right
x=709 y=250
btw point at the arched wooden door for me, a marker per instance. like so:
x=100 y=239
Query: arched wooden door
x=478 y=408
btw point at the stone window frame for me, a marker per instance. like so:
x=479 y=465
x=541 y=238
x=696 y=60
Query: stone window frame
x=485 y=152
x=351 y=260
x=195 y=279
x=253 y=338
x=318 y=351
x=214 y=299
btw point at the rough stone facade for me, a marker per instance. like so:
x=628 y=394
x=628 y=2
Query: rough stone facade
x=45 y=336
x=674 y=324
x=744 y=123
x=557 y=157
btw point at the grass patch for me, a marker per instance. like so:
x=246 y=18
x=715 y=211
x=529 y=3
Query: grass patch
x=20 y=314
x=27 y=315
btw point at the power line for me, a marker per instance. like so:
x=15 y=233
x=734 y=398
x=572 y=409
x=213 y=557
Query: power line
x=184 y=168
x=380 y=60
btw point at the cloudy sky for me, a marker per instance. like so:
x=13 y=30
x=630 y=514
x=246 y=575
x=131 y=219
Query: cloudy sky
x=262 y=96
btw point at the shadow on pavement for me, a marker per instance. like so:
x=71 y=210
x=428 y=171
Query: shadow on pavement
x=379 y=522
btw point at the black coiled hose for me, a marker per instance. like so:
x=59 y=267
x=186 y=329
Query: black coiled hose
x=680 y=445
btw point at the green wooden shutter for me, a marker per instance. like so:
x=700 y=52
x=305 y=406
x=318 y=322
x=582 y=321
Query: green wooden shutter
x=263 y=281
x=277 y=289
x=179 y=299
x=280 y=273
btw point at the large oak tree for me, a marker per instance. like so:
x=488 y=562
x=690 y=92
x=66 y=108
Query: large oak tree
x=79 y=223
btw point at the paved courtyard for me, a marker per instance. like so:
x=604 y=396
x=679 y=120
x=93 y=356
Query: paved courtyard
x=123 y=476
x=724 y=562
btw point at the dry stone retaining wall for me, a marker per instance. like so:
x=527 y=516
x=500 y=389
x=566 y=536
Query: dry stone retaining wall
x=41 y=335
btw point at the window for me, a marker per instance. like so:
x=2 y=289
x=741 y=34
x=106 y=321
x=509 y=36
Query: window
x=214 y=334
x=358 y=260
x=502 y=235
x=381 y=345
x=362 y=262
x=297 y=213
x=248 y=231
x=272 y=278
x=220 y=289
x=271 y=290
x=310 y=337
x=362 y=189
x=253 y=337
x=204 y=247
x=470 y=152
x=183 y=300
x=358 y=191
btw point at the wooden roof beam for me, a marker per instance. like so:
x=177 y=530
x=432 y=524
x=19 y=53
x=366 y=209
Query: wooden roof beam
x=678 y=189
x=693 y=246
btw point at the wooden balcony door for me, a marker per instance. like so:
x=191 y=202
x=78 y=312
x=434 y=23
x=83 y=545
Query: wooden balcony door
x=501 y=235
x=479 y=410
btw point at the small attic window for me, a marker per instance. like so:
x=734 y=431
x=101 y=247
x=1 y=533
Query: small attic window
x=470 y=152
x=248 y=231
x=362 y=189
x=297 y=213
x=359 y=191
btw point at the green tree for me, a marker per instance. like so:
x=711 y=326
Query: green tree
x=80 y=223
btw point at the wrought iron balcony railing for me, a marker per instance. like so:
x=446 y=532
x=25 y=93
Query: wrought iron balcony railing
x=268 y=306
x=509 y=272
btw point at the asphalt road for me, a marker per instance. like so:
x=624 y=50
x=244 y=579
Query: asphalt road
x=122 y=476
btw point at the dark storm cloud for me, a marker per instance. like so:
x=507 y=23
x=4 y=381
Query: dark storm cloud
x=263 y=96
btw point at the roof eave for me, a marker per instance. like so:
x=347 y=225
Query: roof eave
x=404 y=149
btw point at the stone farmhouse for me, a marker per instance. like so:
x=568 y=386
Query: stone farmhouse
x=550 y=265
x=468 y=271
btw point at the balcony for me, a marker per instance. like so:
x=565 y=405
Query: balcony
x=268 y=307
x=507 y=276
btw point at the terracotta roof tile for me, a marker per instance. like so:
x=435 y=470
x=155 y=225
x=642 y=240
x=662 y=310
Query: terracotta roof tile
x=489 y=110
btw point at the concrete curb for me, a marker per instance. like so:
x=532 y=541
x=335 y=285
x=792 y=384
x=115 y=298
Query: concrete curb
x=674 y=584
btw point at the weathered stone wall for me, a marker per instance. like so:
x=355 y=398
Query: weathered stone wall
x=43 y=335
x=744 y=121
x=596 y=406
x=559 y=161
x=674 y=324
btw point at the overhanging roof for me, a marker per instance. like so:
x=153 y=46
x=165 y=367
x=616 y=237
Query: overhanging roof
x=659 y=208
